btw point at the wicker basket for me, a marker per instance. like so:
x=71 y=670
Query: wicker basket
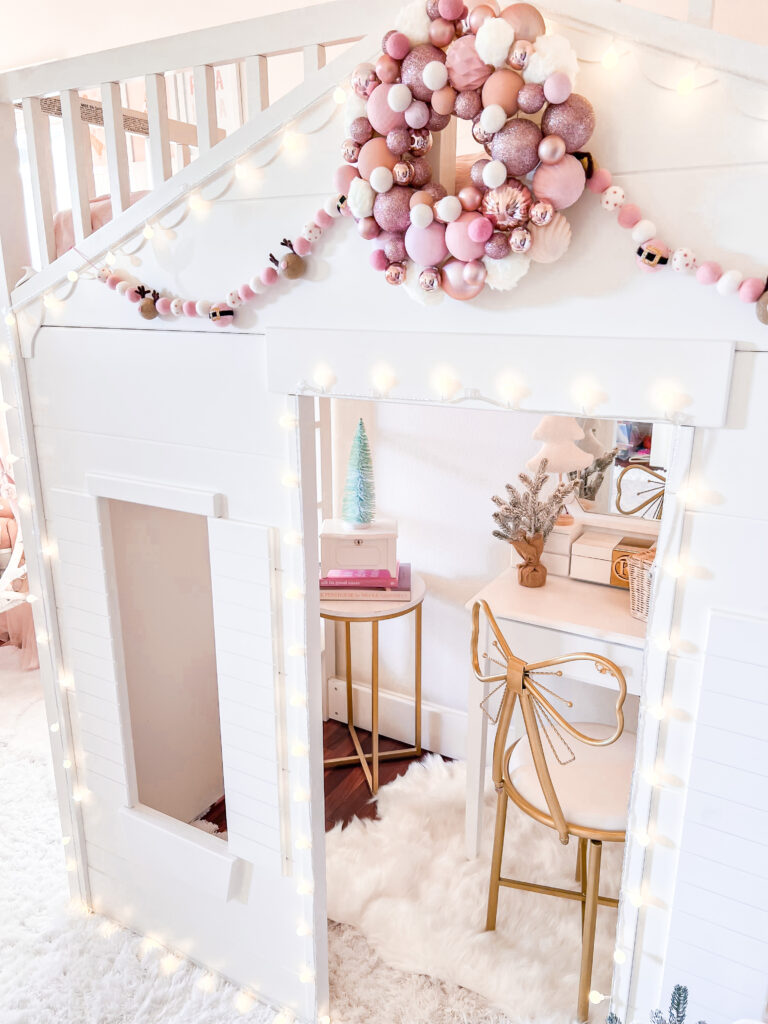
x=640 y=583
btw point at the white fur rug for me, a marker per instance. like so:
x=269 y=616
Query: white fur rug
x=404 y=883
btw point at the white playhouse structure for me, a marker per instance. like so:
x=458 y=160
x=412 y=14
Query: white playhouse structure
x=169 y=487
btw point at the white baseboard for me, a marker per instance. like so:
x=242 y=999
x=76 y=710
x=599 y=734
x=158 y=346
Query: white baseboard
x=443 y=730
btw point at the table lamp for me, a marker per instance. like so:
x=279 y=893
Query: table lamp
x=559 y=434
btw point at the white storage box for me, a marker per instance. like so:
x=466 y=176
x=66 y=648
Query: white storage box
x=345 y=548
x=556 y=565
x=592 y=554
x=560 y=540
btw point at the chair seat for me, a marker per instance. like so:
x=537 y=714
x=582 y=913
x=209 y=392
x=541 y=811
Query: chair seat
x=593 y=789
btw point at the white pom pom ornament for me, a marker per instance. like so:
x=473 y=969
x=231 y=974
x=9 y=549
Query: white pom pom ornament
x=494 y=174
x=354 y=107
x=643 y=231
x=331 y=206
x=202 y=308
x=422 y=215
x=493 y=40
x=551 y=53
x=435 y=75
x=448 y=209
x=122 y=287
x=360 y=198
x=413 y=21
x=399 y=98
x=381 y=179
x=730 y=282
x=493 y=118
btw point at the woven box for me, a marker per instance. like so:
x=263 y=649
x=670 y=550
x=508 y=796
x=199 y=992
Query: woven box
x=640 y=567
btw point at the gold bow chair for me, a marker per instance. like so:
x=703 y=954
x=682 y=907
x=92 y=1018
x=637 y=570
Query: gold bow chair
x=580 y=790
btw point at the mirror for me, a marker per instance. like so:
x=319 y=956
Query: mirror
x=629 y=468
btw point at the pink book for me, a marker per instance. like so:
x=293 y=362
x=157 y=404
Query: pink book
x=351 y=578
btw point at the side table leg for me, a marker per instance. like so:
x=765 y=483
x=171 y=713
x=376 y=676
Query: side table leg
x=375 y=705
x=348 y=656
x=417 y=683
x=477 y=739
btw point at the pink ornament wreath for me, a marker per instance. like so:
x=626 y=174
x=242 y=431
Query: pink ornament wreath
x=490 y=68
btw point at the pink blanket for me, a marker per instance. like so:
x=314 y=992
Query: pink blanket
x=101 y=214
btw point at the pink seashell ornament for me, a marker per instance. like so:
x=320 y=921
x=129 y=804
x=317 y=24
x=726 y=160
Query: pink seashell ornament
x=551 y=241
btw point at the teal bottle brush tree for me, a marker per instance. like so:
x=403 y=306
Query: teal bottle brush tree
x=359 y=506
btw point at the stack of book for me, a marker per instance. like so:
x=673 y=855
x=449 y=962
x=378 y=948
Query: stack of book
x=367 y=585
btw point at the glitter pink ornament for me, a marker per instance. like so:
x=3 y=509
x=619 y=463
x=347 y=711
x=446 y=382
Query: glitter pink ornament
x=399 y=141
x=360 y=130
x=468 y=104
x=422 y=172
x=412 y=69
x=517 y=145
x=437 y=122
x=573 y=120
x=392 y=209
x=497 y=246
x=531 y=98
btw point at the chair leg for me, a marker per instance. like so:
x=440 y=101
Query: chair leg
x=588 y=933
x=498 y=849
x=581 y=874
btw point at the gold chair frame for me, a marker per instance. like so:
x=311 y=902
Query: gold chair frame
x=520 y=687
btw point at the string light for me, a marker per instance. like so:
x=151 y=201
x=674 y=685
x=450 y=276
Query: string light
x=383 y=379
x=306 y=975
x=197 y=204
x=54 y=727
x=305 y=887
x=284 y=1017
x=41 y=637
x=339 y=95
x=299 y=749
x=662 y=643
x=324 y=1019
x=596 y=997
x=25 y=503
x=445 y=382
x=110 y=259
x=619 y=956
x=170 y=963
x=587 y=393
x=66 y=681
x=294 y=593
x=644 y=840
x=511 y=387
x=288 y=422
x=297 y=650
x=324 y=377
x=66 y=840
x=72 y=275
x=148 y=232
x=687 y=84
x=207 y=983
x=50 y=549
x=303 y=843
x=289 y=479
x=658 y=711
x=635 y=898
x=610 y=58
x=66 y=764
x=303 y=930
x=298 y=700
x=10 y=319
x=292 y=538
x=300 y=795
x=243 y=1002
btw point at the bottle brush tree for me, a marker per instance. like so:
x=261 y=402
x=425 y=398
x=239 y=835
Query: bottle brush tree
x=359 y=505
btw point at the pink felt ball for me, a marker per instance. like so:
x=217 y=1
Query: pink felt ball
x=113 y=281
x=557 y=87
x=190 y=307
x=417 y=115
x=132 y=295
x=397 y=45
x=163 y=306
x=323 y=219
x=561 y=184
x=246 y=293
x=343 y=177
x=458 y=239
x=378 y=259
x=450 y=9
x=601 y=180
x=382 y=117
x=629 y=215
x=302 y=246
x=709 y=273
x=268 y=275
x=751 y=289
x=426 y=246
x=480 y=230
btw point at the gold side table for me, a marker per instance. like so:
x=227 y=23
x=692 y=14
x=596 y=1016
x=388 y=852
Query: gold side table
x=375 y=612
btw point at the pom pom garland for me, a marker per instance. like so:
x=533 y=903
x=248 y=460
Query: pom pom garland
x=493 y=41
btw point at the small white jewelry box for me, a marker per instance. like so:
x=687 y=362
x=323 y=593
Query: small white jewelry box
x=592 y=555
x=558 y=546
x=345 y=548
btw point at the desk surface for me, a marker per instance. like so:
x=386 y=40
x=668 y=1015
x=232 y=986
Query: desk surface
x=570 y=605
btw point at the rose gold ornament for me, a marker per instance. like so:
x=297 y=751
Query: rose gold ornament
x=551 y=149
x=441 y=32
x=368 y=228
x=402 y=173
x=508 y=205
x=350 y=151
x=364 y=80
x=421 y=197
x=443 y=100
x=478 y=16
x=395 y=273
x=520 y=240
x=470 y=197
x=573 y=121
x=468 y=105
x=519 y=54
x=525 y=20
x=430 y=279
x=479 y=134
x=454 y=283
x=421 y=142
x=474 y=273
x=542 y=213
x=387 y=69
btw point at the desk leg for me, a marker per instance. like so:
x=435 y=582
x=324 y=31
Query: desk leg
x=417 y=683
x=477 y=740
x=375 y=705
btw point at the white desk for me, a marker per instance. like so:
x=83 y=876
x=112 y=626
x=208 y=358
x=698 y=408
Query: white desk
x=544 y=623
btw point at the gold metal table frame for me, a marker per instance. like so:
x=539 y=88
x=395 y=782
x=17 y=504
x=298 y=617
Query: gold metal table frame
x=374 y=613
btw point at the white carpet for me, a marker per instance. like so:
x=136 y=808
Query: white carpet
x=404 y=883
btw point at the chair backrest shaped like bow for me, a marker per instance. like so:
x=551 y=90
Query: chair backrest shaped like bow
x=538 y=712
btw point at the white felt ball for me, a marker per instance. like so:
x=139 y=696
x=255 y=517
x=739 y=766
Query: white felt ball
x=422 y=215
x=177 y=307
x=381 y=179
x=730 y=282
x=551 y=53
x=683 y=260
x=435 y=75
x=643 y=231
x=233 y=298
x=449 y=208
x=122 y=287
x=494 y=174
x=399 y=98
x=256 y=285
x=612 y=198
x=493 y=118
x=493 y=40
x=331 y=206
x=202 y=308
x=360 y=198
x=413 y=21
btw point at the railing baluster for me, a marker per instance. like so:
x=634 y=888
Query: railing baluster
x=14 y=244
x=159 y=138
x=256 y=84
x=79 y=163
x=314 y=58
x=37 y=129
x=117 y=149
x=184 y=156
x=205 y=107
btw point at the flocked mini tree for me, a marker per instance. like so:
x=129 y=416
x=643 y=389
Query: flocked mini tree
x=359 y=505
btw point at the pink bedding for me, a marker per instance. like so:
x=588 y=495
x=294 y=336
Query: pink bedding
x=101 y=214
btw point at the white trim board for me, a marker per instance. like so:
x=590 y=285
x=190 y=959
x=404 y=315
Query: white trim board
x=575 y=376
x=150 y=492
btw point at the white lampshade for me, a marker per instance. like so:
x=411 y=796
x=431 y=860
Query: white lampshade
x=559 y=434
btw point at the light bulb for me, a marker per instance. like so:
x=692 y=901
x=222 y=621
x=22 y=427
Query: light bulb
x=10 y=319
x=596 y=997
x=298 y=700
x=66 y=681
x=339 y=95
x=642 y=839
x=243 y=1002
x=587 y=393
x=383 y=378
x=300 y=795
x=324 y=377
x=288 y=421
x=292 y=538
x=24 y=503
x=687 y=84
x=325 y=1019
x=305 y=887
x=197 y=204
x=445 y=382
x=66 y=764
x=303 y=929
x=71 y=865
x=30 y=598
x=54 y=727
x=284 y=1017
x=289 y=479
x=148 y=232
x=511 y=387
x=635 y=898
x=658 y=711
x=619 y=956
x=610 y=58
x=207 y=983
x=293 y=143
x=303 y=843
x=41 y=637
x=662 y=643
x=298 y=749
x=242 y=170
x=297 y=651
x=110 y=258
x=50 y=301
x=72 y=275
x=170 y=963
x=50 y=549
x=78 y=796
x=306 y=975
x=294 y=593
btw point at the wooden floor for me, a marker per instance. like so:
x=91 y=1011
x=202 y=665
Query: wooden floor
x=346 y=792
